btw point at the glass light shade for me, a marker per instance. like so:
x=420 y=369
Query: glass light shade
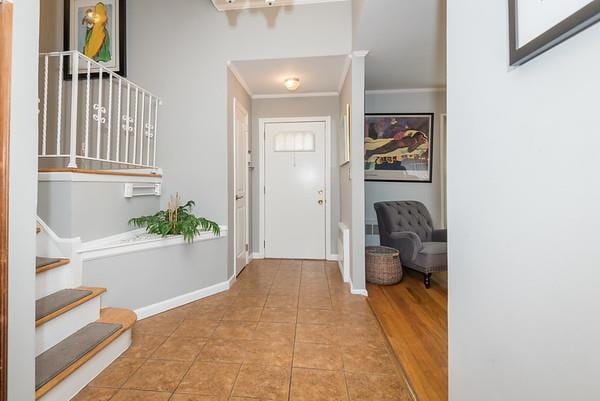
x=292 y=84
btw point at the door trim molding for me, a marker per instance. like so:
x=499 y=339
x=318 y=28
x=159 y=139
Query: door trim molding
x=237 y=105
x=262 y=123
x=6 y=18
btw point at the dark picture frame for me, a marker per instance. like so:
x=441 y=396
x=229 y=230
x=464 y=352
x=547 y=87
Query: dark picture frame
x=121 y=27
x=419 y=128
x=568 y=27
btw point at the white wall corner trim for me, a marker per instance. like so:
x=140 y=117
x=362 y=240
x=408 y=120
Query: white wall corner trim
x=360 y=53
x=239 y=77
x=333 y=257
x=168 y=304
x=356 y=291
x=347 y=65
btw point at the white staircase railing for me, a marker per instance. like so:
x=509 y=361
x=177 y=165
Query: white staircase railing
x=94 y=114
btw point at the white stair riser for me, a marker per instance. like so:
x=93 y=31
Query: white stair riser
x=54 y=331
x=69 y=387
x=54 y=280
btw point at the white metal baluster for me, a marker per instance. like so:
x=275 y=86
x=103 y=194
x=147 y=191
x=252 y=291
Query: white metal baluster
x=110 y=90
x=137 y=93
x=148 y=126
x=127 y=123
x=99 y=116
x=60 y=105
x=87 y=109
x=45 y=115
x=118 y=148
x=141 y=161
x=155 y=131
x=74 y=103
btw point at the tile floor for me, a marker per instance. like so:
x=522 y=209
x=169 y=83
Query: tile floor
x=287 y=330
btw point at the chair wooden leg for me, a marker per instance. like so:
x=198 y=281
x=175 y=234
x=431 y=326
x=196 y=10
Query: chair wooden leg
x=427 y=280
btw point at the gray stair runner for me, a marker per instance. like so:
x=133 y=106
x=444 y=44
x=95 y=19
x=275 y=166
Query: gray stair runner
x=58 y=358
x=53 y=302
x=41 y=262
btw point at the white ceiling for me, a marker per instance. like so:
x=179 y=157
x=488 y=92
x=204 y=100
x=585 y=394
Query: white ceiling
x=406 y=40
x=318 y=75
x=224 y=5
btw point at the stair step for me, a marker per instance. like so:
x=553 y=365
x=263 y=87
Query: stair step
x=61 y=302
x=60 y=361
x=44 y=264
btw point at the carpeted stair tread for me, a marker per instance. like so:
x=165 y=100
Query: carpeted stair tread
x=52 y=362
x=43 y=264
x=54 y=305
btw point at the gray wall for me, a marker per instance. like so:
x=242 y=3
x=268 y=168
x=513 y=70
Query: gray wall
x=235 y=90
x=140 y=279
x=429 y=194
x=297 y=107
x=90 y=210
x=344 y=171
x=22 y=199
x=523 y=213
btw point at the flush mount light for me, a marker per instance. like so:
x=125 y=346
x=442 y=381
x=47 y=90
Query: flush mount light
x=292 y=83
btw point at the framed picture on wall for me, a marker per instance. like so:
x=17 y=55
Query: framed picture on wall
x=345 y=136
x=96 y=29
x=536 y=26
x=399 y=147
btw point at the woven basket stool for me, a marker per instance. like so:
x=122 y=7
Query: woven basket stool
x=383 y=265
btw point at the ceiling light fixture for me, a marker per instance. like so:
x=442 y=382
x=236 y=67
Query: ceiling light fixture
x=269 y=2
x=292 y=84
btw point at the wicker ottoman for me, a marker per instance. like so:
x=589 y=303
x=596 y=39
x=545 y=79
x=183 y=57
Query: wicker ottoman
x=383 y=265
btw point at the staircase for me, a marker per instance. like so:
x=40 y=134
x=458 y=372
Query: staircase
x=75 y=337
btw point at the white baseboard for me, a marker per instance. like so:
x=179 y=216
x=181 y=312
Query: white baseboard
x=231 y=281
x=257 y=255
x=356 y=291
x=333 y=257
x=168 y=304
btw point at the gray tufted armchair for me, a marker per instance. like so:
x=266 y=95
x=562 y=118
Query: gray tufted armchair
x=407 y=227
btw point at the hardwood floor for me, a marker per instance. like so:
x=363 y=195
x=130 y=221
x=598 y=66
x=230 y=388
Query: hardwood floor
x=415 y=320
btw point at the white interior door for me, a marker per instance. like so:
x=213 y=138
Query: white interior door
x=295 y=193
x=241 y=187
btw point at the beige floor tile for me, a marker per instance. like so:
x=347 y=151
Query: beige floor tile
x=143 y=345
x=255 y=301
x=282 y=301
x=95 y=394
x=196 y=328
x=316 y=333
x=194 y=397
x=377 y=388
x=318 y=356
x=317 y=316
x=157 y=375
x=217 y=350
x=368 y=360
x=234 y=330
x=318 y=385
x=204 y=312
x=243 y=313
x=315 y=302
x=179 y=349
x=136 y=395
x=269 y=353
x=279 y=315
x=263 y=382
x=275 y=332
x=156 y=326
x=117 y=373
x=210 y=378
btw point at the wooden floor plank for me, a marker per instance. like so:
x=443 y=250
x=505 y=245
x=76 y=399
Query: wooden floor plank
x=415 y=320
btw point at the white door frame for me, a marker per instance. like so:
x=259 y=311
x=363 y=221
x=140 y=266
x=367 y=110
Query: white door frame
x=237 y=105
x=262 y=122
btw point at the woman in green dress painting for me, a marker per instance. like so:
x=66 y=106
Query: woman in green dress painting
x=97 y=38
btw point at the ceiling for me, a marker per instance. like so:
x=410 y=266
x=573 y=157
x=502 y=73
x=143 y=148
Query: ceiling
x=224 y=5
x=406 y=40
x=318 y=75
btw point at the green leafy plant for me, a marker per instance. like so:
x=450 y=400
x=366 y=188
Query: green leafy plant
x=176 y=220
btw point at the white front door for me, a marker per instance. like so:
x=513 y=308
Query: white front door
x=295 y=190
x=241 y=187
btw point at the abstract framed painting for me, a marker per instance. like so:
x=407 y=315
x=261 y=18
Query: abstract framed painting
x=399 y=147
x=536 y=26
x=97 y=29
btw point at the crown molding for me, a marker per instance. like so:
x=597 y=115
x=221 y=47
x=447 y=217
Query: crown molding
x=360 y=53
x=292 y=95
x=222 y=5
x=401 y=91
x=347 y=65
x=239 y=77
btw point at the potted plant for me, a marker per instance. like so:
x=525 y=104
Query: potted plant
x=176 y=220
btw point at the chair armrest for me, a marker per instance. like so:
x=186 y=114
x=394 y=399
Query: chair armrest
x=440 y=235
x=408 y=243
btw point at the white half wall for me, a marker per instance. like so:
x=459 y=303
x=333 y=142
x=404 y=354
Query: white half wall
x=523 y=213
